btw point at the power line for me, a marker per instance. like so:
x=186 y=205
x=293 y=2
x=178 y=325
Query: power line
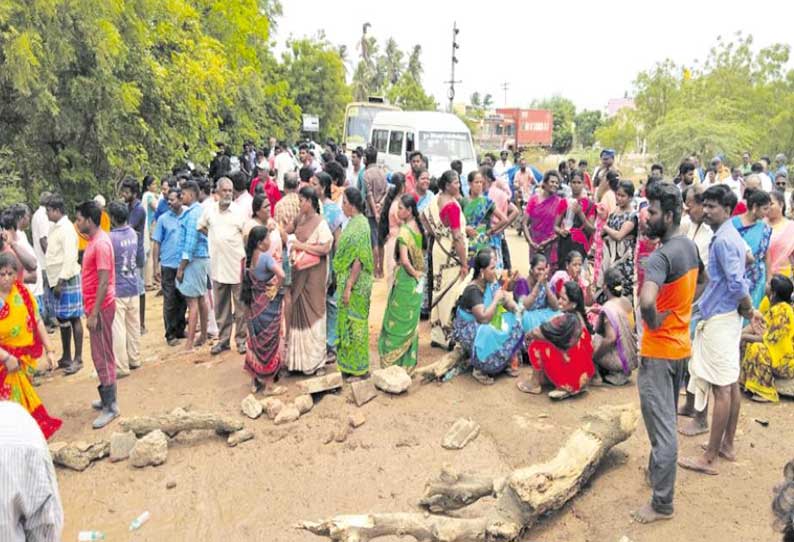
x=504 y=87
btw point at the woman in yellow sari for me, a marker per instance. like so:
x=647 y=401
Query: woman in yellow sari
x=22 y=340
x=770 y=355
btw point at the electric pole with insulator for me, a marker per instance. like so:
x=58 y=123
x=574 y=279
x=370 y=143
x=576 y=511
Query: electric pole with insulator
x=455 y=47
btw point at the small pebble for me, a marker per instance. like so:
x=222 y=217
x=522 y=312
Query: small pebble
x=170 y=485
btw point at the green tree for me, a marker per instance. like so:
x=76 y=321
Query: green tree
x=394 y=61
x=408 y=94
x=316 y=76
x=619 y=132
x=564 y=112
x=587 y=122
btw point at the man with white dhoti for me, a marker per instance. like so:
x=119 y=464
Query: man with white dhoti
x=714 y=367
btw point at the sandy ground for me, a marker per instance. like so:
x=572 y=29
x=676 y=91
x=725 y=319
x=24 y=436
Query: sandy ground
x=260 y=489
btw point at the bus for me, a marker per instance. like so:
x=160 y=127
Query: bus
x=358 y=121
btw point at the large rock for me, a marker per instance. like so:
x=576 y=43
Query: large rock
x=150 y=450
x=303 y=403
x=363 y=391
x=121 y=444
x=288 y=414
x=238 y=437
x=392 y=379
x=272 y=407
x=461 y=433
x=251 y=407
x=331 y=381
x=77 y=456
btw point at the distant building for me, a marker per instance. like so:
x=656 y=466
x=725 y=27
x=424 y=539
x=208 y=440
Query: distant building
x=616 y=104
x=516 y=128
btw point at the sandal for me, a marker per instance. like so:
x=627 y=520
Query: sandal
x=512 y=372
x=524 y=386
x=482 y=378
x=559 y=395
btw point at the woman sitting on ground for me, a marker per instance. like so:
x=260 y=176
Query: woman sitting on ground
x=262 y=293
x=561 y=349
x=615 y=340
x=770 y=355
x=573 y=270
x=535 y=295
x=486 y=332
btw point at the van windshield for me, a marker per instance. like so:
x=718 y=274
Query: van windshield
x=452 y=145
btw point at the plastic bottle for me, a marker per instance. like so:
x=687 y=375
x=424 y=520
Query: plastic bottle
x=88 y=536
x=140 y=520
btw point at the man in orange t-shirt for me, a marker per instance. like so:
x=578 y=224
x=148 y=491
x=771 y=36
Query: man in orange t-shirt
x=671 y=278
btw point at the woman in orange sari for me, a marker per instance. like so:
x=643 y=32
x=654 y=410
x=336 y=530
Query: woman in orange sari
x=22 y=340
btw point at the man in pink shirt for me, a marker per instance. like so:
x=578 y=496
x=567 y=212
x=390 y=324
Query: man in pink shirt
x=99 y=296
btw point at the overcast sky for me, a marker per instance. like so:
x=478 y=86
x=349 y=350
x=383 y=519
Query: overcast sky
x=587 y=51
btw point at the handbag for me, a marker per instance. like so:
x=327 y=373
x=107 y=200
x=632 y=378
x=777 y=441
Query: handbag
x=304 y=260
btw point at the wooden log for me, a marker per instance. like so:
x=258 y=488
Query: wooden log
x=435 y=371
x=521 y=497
x=181 y=420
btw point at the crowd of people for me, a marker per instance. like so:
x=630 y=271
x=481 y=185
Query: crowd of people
x=687 y=281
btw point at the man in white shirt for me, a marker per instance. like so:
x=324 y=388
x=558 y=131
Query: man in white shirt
x=30 y=505
x=223 y=223
x=63 y=274
x=283 y=163
x=242 y=198
x=40 y=230
x=501 y=166
x=766 y=181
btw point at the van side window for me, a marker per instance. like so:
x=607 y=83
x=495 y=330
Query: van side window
x=396 y=143
x=409 y=142
x=380 y=139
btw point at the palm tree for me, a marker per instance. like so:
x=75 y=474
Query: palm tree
x=487 y=102
x=415 y=63
x=393 y=61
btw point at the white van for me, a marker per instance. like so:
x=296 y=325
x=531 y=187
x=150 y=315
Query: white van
x=441 y=137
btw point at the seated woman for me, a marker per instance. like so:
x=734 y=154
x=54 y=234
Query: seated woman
x=535 y=295
x=487 y=333
x=561 y=349
x=615 y=341
x=573 y=269
x=262 y=293
x=770 y=355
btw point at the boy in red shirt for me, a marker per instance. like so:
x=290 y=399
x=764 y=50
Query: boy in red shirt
x=99 y=296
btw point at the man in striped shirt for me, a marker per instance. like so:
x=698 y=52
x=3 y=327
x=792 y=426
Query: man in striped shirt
x=30 y=506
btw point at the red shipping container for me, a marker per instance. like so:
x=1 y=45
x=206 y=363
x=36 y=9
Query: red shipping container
x=532 y=126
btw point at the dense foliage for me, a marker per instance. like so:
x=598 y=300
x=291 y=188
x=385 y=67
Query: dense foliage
x=737 y=100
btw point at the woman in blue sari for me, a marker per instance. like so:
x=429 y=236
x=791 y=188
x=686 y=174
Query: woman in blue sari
x=535 y=295
x=479 y=210
x=485 y=329
x=757 y=234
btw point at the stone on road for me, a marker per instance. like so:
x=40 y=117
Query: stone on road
x=392 y=379
x=150 y=450
x=461 y=433
x=251 y=407
x=121 y=444
x=363 y=391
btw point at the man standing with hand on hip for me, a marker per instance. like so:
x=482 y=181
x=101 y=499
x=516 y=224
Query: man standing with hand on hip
x=671 y=278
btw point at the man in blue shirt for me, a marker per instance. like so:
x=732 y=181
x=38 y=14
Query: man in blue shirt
x=166 y=254
x=126 y=322
x=194 y=265
x=714 y=366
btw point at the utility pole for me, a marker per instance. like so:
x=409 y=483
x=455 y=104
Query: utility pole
x=505 y=86
x=452 y=81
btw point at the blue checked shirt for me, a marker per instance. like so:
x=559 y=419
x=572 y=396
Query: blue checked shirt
x=193 y=243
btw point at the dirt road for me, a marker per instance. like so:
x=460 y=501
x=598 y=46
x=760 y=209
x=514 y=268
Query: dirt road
x=260 y=489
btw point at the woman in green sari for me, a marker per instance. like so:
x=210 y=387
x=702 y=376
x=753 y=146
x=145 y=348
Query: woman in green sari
x=478 y=210
x=399 y=336
x=353 y=265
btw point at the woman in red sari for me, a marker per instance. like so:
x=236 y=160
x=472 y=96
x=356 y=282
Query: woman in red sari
x=541 y=216
x=23 y=339
x=561 y=349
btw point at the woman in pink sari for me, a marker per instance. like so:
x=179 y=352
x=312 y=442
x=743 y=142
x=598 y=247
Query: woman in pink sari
x=541 y=214
x=781 y=245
